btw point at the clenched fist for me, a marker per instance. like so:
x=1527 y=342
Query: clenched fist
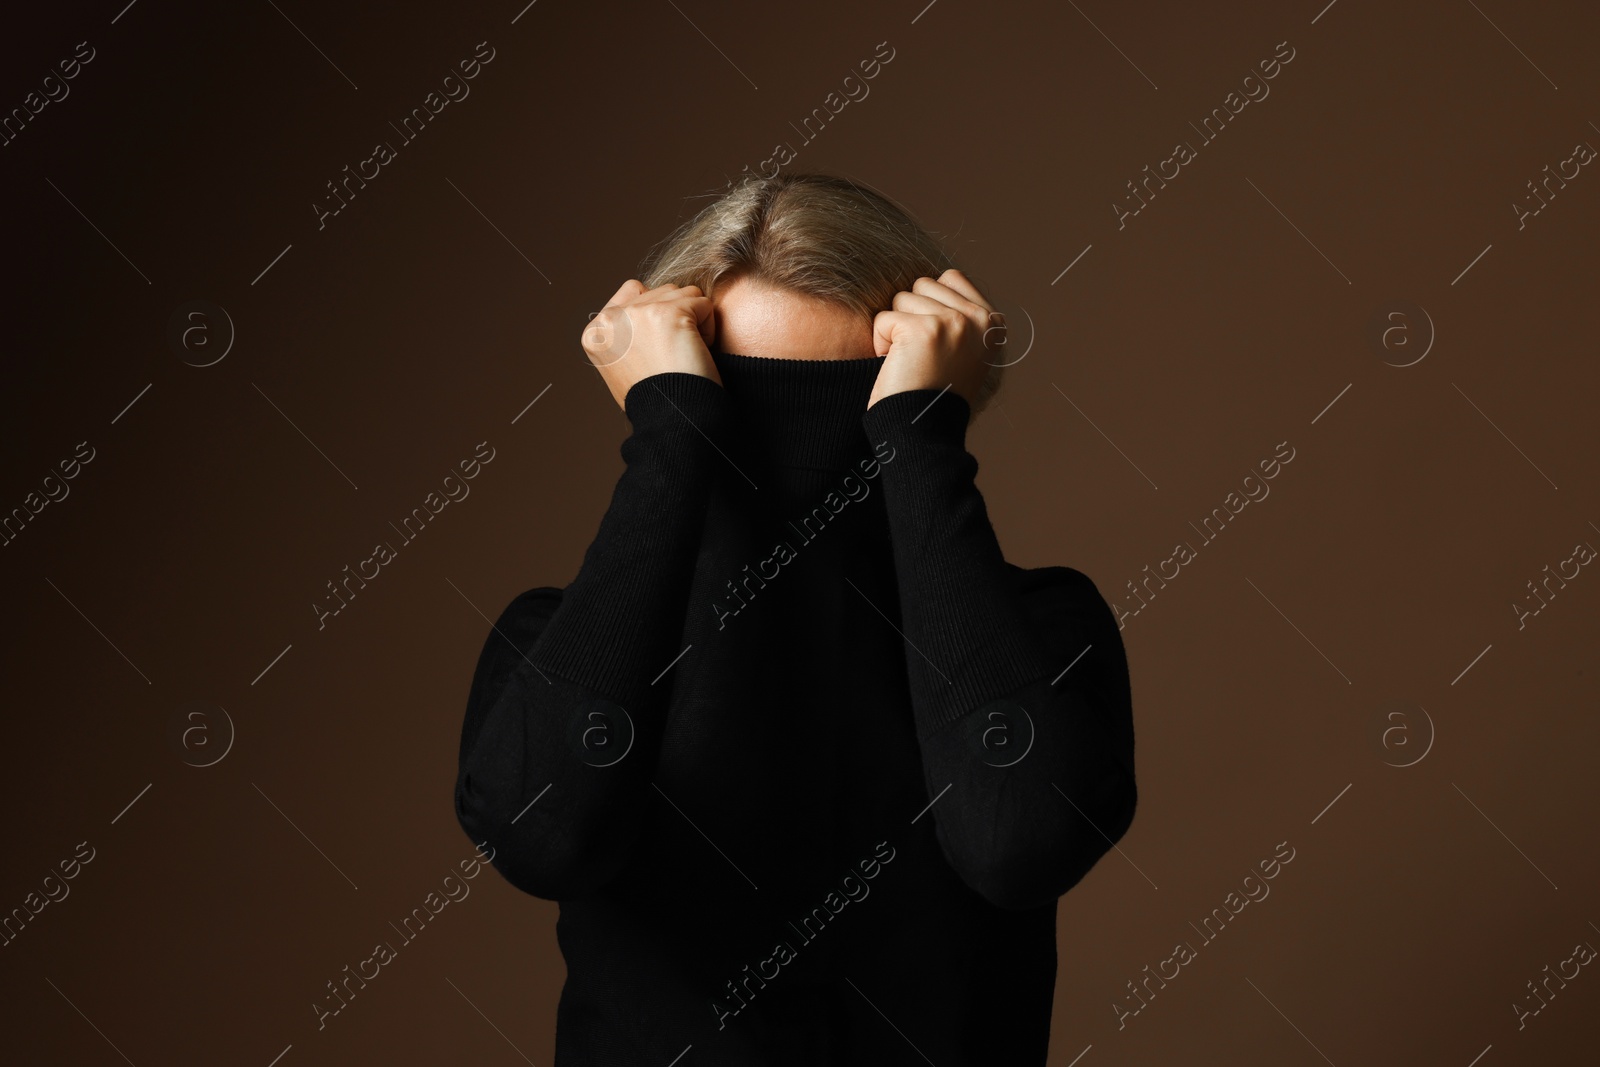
x=933 y=338
x=642 y=331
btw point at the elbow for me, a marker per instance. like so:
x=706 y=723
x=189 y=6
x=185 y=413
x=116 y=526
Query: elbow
x=1044 y=858
x=481 y=817
x=490 y=815
x=532 y=852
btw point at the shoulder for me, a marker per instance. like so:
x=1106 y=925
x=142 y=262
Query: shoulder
x=1077 y=624
x=512 y=634
x=530 y=609
x=1054 y=586
x=1066 y=602
x=1059 y=580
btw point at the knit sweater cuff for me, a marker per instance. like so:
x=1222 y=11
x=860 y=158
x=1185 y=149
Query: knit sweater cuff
x=624 y=610
x=972 y=641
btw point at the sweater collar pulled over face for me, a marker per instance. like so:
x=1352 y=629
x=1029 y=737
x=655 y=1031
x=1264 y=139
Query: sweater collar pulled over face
x=800 y=413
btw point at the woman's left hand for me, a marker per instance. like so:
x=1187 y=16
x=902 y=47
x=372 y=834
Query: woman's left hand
x=933 y=338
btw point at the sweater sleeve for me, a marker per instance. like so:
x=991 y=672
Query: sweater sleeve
x=563 y=720
x=1019 y=679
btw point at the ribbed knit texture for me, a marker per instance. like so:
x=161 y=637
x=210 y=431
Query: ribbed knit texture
x=794 y=648
x=647 y=548
x=953 y=581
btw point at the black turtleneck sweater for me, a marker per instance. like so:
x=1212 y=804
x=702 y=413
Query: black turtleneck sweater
x=804 y=760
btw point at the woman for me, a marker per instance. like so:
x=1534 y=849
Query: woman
x=804 y=760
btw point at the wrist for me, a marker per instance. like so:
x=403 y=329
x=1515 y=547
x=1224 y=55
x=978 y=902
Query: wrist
x=919 y=416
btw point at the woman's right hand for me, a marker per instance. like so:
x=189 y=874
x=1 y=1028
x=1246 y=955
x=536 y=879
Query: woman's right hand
x=642 y=331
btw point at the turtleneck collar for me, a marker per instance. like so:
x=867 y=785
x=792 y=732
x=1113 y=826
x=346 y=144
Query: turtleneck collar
x=800 y=412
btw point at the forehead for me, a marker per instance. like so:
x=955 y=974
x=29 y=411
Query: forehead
x=760 y=319
x=748 y=298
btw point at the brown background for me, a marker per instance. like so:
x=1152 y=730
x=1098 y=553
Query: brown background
x=1221 y=321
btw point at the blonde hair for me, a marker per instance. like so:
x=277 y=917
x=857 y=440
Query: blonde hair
x=815 y=234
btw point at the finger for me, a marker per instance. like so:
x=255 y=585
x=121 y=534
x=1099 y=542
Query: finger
x=921 y=304
x=705 y=315
x=885 y=324
x=668 y=291
x=963 y=285
x=951 y=298
x=626 y=292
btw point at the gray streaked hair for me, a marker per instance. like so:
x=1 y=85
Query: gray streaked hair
x=815 y=234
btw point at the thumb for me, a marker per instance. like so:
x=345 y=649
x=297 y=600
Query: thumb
x=884 y=324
